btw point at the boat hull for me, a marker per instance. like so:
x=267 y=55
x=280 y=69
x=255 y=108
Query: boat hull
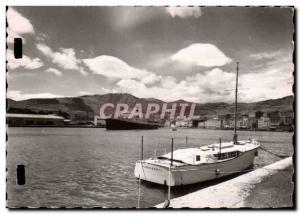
x=123 y=124
x=190 y=174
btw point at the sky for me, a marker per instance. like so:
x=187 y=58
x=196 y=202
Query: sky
x=168 y=53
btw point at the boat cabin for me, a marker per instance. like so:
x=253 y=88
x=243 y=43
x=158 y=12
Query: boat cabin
x=205 y=154
x=227 y=155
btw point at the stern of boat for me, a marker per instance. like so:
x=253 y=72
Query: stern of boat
x=153 y=173
x=138 y=173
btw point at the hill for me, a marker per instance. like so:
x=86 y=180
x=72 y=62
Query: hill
x=89 y=105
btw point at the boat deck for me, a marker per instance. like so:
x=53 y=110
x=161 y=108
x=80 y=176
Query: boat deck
x=206 y=154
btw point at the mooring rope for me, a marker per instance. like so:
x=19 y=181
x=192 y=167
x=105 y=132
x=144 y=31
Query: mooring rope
x=266 y=150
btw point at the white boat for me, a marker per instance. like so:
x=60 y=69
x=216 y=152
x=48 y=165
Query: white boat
x=194 y=165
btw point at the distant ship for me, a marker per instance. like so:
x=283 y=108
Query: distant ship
x=127 y=124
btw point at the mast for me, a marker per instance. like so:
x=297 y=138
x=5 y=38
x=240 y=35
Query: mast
x=235 y=109
x=171 y=164
x=220 y=147
x=172 y=148
x=142 y=149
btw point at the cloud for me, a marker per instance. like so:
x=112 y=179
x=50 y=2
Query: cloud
x=18 y=95
x=41 y=37
x=65 y=58
x=267 y=83
x=24 y=62
x=211 y=85
x=114 y=67
x=17 y=25
x=184 y=12
x=267 y=55
x=83 y=71
x=192 y=88
x=85 y=93
x=126 y=18
x=201 y=54
x=54 y=71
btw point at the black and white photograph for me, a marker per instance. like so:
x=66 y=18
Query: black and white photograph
x=150 y=107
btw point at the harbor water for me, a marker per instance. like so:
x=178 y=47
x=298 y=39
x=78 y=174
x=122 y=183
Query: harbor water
x=92 y=167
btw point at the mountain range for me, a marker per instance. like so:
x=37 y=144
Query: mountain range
x=90 y=104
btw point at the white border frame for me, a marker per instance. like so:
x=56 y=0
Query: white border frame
x=3 y=4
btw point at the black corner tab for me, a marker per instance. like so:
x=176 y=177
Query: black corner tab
x=18 y=48
x=20 y=174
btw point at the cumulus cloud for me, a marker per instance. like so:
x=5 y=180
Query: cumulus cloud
x=211 y=85
x=201 y=54
x=192 y=88
x=268 y=83
x=54 y=71
x=24 y=62
x=114 y=67
x=17 y=25
x=184 y=11
x=65 y=57
x=19 y=95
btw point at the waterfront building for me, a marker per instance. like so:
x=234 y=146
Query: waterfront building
x=198 y=123
x=286 y=117
x=183 y=123
x=24 y=120
x=252 y=123
x=274 y=119
x=99 y=122
x=228 y=124
x=252 y=115
x=224 y=116
x=243 y=122
x=263 y=123
x=214 y=123
x=201 y=124
x=81 y=115
x=252 y=120
x=259 y=114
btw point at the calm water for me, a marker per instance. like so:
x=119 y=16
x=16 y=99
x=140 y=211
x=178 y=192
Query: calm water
x=74 y=167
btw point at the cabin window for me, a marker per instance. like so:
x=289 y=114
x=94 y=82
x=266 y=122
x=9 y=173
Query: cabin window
x=223 y=156
x=197 y=157
x=232 y=154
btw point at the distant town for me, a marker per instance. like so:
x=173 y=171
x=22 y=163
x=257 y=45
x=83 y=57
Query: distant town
x=268 y=115
x=265 y=121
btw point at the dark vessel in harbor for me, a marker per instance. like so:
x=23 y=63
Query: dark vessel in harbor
x=127 y=124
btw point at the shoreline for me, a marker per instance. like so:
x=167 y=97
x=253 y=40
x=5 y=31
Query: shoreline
x=103 y=127
x=247 y=190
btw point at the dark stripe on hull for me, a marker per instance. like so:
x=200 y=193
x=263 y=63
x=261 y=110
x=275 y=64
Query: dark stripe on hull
x=122 y=124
